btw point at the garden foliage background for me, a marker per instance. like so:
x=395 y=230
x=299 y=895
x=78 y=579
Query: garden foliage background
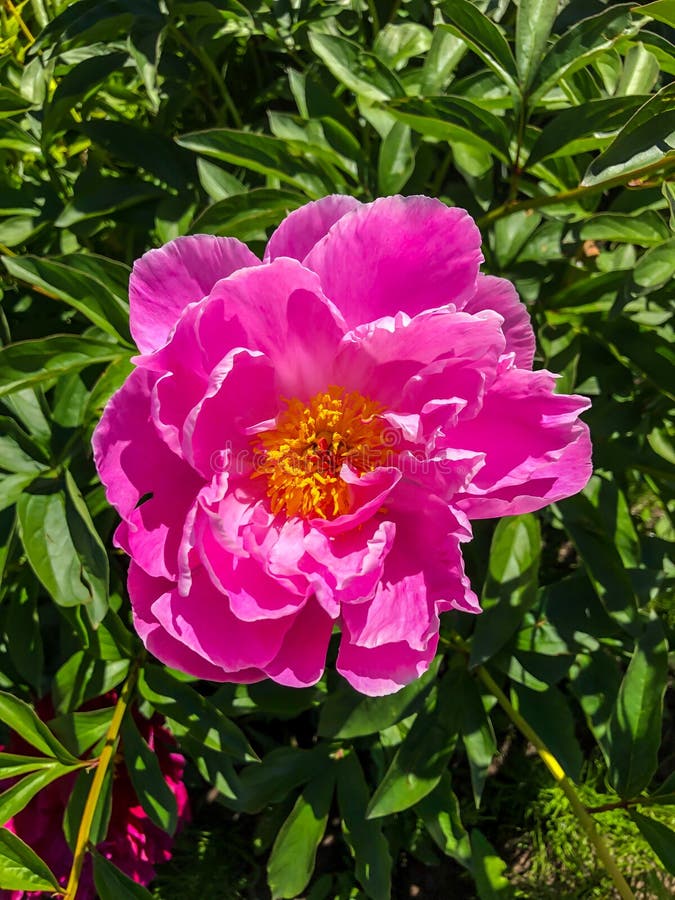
x=124 y=123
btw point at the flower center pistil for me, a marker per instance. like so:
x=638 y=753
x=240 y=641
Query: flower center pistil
x=301 y=457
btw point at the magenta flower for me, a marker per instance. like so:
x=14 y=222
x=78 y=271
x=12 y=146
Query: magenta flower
x=133 y=843
x=305 y=440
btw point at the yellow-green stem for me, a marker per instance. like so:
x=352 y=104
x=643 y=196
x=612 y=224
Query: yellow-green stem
x=514 y=206
x=19 y=21
x=104 y=761
x=564 y=782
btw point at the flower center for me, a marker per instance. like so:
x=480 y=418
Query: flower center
x=303 y=454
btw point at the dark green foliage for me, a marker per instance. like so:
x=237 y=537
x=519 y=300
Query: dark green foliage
x=126 y=124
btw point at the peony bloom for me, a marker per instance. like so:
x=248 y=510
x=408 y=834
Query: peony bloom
x=304 y=440
x=133 y=843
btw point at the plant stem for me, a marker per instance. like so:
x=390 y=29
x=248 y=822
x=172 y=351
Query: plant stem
x=511 y=207
x=104 y=760
x=19 y=21
x=554 y=767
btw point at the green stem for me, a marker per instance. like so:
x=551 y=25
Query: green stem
x=554 y=767
x=511 y=207
x=104 y=760
x=375 y=19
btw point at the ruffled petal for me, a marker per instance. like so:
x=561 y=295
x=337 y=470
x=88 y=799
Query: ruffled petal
x=302 y=656
x=501 y=296
x=398 y=254
x=164 y=281
x=304 y=227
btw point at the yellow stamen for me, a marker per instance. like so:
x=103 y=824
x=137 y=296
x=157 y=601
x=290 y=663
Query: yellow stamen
x=303 y=454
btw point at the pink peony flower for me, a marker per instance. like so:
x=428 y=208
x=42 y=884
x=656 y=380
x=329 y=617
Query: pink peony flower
x=133 y=843
x=305 y=440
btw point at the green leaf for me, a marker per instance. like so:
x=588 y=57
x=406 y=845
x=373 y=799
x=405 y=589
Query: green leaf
x=82 y=677
x=482 y=36
x=181 y=703
x=659 y=837
x=15 y=798
x=534 y=21
x=549 y=713
x=112 y=884
x=510 y=587
x=646 y=229
x=12 y=103
x=146 y=776
x=663 y=10
x=367 y=844
x=13 y=764
x=291 y=861
x=640 y=72
x=79 y=731
x=655 y=268
x=424 y=753
x=360 y=71
x=29 y=363
x=246 y=215
x=22 y=718
x=21 y=869
x=634 y=733
x=585 y=41
x=595 y=683
x=25 y=637
x=587 y=528
x=488 y=869
x=108 y=195
x=294 y=162
x=347 y=714
x=18 y=451
x=441 y=815
x=396 y=160
x=63 y=550
x=647 y=138
x=454 y=119
x=281 y=770
x=77 y=86
x=583 y=127
x=477 y=735
x=12 y=487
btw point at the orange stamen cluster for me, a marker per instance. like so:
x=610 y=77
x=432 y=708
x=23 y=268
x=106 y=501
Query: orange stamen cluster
x=302 y=456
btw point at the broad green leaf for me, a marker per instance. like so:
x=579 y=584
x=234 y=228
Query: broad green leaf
x=13 y=764
x=477 y=735
x=246 y=215
x=82 y=677
x=367 y=844
x=146 y=776
x=15 y=798
x=659 y=837
x=25 y=645
x=640 y=72
x=634 y=732
x=655 y=268
x=396 y=44
x=200 y=718
x=488 y=869
x=482 y=36
x=440 y=813
x=63 y=549
x=585 y=41
x=424 y=753
x=280 y=771
x=584 y=127
x=648 y=229
x=12 y=103
x=79 y=731
x=291 y=861
x=647 y=138
x=105 y=198
x=112 y=884
x=550 y=716
x=595 y=683
x=662 y=10
x=396 y=160
x=587 y=528
x=22 y=718
x=360 y=71
x=347 y=714
x=21 y=869
x=454 y=119
x=34 y=362
x=444 y=55
x=510 y=588
x=19 y=453
x=534 y=21
x=77 y=86
x=294 y=162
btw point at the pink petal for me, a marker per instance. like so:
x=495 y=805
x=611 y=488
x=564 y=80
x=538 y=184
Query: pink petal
x=500 y=295
x=536 y=448
x=133 y=462
x=368 y=493
x=398 y=254
x=305 y=227
x=301 y=659
x=164 y=281
x=377 y=671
